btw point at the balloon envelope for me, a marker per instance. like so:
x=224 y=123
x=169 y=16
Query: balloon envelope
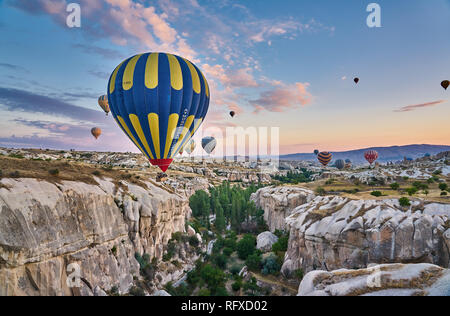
x=232 y=113
x=190 y=147
x=371 y=156
x=209 y=144
x=340 y=164
x=96 y=132
x=356 y=80
x=104 y=104
x=159 y=101
x=324 y=158
x=316 y=152
x=445 y=84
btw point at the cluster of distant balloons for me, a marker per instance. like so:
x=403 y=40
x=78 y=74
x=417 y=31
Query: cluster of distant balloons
x=160 y=100
x=325 y=158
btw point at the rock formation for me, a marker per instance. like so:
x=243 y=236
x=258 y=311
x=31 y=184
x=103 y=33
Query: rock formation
x=278 y=203
x=51 y=231
x=380 y=280
x=265 y=241
x=333 y=232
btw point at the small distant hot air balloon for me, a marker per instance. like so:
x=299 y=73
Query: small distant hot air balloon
x=371 y=156
x=96 y=132
x=356 y=80
x=159 y=101
x=316 y=152
x=348 y=163
x=324 y=158
x=103 y=102
x=190 y=147
x=340 y=164
x=445 y=84
x=232 y=113
x=209 y=144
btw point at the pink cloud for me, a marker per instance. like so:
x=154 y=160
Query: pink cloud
x=283 y=97
x=410 y=108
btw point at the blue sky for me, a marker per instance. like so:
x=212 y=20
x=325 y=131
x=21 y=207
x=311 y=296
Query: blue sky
x=283 y=63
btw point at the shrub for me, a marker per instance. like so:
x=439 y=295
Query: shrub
x=235 y=269
x=204 y=292
x=246 y=246
x=444 y=193
x=443 y=186
x=97 y=173
x=114 y=250
x=376 y=193
x=430 y=181
x=320 y=191
x=236 y=286
x=220 y=261
x=281 y=245
x=411 y=191
x=15 y=174
x=299 y=274
x=137 y=291
x=270 y=265
x=193 y=241
x=253 y=261
x=404 y=201
x=227 y=251
x=221 y=291
x=54 y=172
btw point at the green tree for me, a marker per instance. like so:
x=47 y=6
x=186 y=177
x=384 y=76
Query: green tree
x=246 y=246
x=443 y=186
x=404 y=201
x=220 y=219
x=253 y=261
x=214 y=277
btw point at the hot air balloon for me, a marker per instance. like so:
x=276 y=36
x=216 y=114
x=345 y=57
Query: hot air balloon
x=96 y=132
x=232 y=113
x=324 y=158
x=356 y=80
x=190 y=147
x=209 y=144
x=348 y=163
x=340 y=164
x=159 y=100
x=103 y=102
x=316 y=152
x=371 y=156
x=445 y=84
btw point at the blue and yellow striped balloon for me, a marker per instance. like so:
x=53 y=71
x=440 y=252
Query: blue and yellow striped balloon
x=159 y=100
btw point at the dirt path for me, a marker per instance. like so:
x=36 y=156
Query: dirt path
x=273 y=281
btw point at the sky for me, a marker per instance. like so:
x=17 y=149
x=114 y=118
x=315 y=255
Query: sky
x=288 y=64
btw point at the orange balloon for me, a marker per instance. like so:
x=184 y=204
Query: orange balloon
x=96 y=132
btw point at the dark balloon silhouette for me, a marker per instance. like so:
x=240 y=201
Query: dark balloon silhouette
x=445 y=84
x=316 y=152
x=232 y=113
x=356 y=80
x=340 y=164
x=324 y=158
x=96 y=132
